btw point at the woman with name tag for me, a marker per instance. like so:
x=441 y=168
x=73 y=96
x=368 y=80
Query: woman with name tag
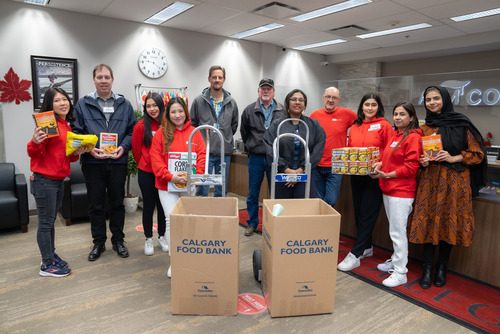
x=142 y=136
x=292 y=157
x=442 y=214
x=370 y=129
x=397 y=174
x=167 y=149
x=50 y=166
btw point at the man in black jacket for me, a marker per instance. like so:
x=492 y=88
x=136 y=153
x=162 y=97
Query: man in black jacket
x=255 y=120
x=111 y=117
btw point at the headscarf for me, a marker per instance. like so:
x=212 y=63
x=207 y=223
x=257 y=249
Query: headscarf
x=453 y=127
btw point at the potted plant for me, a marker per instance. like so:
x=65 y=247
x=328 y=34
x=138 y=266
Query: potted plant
x=131 y=201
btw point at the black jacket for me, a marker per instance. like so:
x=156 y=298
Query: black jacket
x=252 y=126
x=316 y=142
x=91 y=120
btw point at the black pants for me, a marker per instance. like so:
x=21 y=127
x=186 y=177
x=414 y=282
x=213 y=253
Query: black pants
x=150 y=200
x=367 y=199
x=282 y=191
x=102 y=180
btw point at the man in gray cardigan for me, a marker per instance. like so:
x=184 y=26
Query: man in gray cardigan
x=215 y=106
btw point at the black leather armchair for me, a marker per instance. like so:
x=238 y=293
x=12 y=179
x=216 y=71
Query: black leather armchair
x=13 y=198
x=75 y=203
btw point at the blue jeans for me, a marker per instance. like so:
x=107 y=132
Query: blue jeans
x=257 y=167
x=326 y=184
x=48 y=196
x=214 y=168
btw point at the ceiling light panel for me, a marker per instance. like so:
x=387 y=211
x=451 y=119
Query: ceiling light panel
x=258 y=30
x=395 y=30
x=477 y=15
x=38 y=2
x=320 y=44
x=330 y=10
x=169 y=12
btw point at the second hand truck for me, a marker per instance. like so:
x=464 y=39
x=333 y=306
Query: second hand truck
x=283 y=177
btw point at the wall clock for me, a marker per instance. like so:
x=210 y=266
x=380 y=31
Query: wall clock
x=153 y=63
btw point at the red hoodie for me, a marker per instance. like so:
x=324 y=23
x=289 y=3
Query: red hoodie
x=49 y=157
x=375 y=132
x=139 y=150
x=159 y=158
x=404 y=160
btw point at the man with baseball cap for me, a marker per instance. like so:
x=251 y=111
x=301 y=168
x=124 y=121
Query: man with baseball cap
x=255 y=120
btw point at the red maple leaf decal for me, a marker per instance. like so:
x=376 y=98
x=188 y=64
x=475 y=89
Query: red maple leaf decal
x=14 y=90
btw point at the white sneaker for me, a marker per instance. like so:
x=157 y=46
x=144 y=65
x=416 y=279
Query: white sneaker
x=386 y=266
x=349 y=263
x=169 y=272
x=395 y=279
x=149 y=248
x=367 y=253
x=163 y=244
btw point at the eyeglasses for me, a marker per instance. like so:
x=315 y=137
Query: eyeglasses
x=329 y=97
x=296 y=99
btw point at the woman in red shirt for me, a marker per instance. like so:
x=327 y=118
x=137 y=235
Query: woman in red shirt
x=142 y=136
x=397 y=174
x=169 y=141
x=369 y=129
x=50 y=166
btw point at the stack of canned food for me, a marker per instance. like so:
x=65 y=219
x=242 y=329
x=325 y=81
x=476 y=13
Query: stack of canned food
x=354 y=160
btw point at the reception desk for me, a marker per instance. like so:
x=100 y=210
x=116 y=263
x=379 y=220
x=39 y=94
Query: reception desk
x=480 y=261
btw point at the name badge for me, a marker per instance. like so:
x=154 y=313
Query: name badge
x=393 y=144
x=108 y=110
x=375 y=127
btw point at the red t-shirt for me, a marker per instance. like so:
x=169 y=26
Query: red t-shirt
x=335 y=125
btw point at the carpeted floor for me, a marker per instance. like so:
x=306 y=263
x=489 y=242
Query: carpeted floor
x=465 y=301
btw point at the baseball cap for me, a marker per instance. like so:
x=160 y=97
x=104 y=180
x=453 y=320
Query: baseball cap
x=266 y=82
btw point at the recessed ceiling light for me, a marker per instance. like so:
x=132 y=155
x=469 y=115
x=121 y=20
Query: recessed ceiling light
x=38 y=2
x=258 y=30
x=330 y=10
x=395 y=30
x=477 y=15
x=169 y=12
x=317 y=45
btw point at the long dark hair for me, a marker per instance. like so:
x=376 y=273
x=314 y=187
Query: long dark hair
x=410 y=109
x=289 y=96
x=48 y=102
x=168 y=126
x=148 y=134
x=361 y=115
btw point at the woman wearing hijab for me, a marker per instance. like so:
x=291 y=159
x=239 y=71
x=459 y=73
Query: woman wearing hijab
x=442 y=215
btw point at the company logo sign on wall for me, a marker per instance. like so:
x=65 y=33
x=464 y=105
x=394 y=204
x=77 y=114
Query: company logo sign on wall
x=463 y=92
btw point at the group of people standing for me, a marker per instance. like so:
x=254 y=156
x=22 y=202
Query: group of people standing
x=428 y=200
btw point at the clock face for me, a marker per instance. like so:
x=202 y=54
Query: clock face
x=153 y=63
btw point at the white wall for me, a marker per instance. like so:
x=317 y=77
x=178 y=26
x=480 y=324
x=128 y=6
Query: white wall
x=30 y=30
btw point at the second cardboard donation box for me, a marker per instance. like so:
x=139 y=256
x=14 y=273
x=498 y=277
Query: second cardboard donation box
x=299 y=257
x=204 y=256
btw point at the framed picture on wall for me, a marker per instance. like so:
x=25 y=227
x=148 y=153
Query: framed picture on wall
x=47 y=72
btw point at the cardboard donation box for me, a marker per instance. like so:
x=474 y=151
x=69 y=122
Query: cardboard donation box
x=204 y=254
x=299 y=257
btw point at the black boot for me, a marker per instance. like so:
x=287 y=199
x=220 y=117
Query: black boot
x=440 y=278
x=426 y=279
